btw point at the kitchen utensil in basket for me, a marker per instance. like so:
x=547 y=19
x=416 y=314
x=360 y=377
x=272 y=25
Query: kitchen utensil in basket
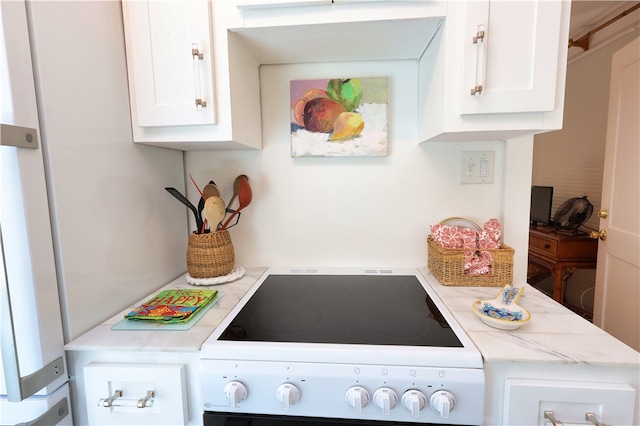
x=210 y=255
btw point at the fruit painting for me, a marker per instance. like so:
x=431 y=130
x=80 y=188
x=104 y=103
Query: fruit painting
x=340 y=117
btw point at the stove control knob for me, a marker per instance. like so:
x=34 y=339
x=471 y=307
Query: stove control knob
x=358 y=398
x=287 y=395
x=385 y=399
x=414 y=401
x=443 y=402
x=235 y=393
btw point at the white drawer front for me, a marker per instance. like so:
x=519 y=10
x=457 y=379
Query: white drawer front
x=116 y=392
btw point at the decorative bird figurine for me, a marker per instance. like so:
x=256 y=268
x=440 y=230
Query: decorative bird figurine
x=214 y=211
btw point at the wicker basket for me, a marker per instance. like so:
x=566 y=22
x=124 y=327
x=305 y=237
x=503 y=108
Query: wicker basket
x=210 y=255
x=447 y=265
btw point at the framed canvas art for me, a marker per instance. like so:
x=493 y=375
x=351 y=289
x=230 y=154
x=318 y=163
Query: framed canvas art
x=342 y=117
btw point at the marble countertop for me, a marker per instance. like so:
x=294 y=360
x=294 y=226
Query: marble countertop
x=554 y=335
x=103 y=337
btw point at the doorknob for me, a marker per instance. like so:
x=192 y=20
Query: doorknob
x=602 y=214
x=602 y=234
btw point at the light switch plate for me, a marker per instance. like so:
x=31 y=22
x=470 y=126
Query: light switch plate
x=477 y=166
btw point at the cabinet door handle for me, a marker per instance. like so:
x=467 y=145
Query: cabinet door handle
x=144 y=402
x=548 y=414
x=481 y=59
x=591 y=417
x=547 y=246
x=108 y=402
x=197 y=84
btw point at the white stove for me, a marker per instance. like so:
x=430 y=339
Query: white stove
x=338 y=345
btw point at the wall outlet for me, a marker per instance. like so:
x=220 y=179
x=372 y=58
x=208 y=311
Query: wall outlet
x=477 y=167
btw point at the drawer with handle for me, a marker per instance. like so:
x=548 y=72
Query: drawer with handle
x=543 y=245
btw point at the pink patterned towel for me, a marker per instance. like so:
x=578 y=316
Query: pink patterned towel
x=477 y=262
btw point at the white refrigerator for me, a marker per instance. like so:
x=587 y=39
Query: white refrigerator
x=86 y=227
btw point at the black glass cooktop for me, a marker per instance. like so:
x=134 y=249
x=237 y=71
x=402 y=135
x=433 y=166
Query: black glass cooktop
x=342 y=309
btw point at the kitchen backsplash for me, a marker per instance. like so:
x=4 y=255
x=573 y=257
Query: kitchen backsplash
x=348 y=211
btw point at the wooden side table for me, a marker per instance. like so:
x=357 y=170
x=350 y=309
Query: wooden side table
x=563 y=252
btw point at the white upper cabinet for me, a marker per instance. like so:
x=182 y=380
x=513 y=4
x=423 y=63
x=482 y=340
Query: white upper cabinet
x=511 y=53
x=171 y=63
x=182 y=65
x=498 y=71
x=487 y=70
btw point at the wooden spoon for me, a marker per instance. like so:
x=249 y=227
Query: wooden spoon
x=214 y=211
x=244 y=199
x=236 y=187
x=210 y=190
x=201 y=202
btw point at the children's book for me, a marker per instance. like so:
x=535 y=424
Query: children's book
x=173 y=306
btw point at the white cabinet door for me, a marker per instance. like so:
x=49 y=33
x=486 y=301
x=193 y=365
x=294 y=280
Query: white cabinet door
x=169 y=56
x=167 y=76
x=519 y=63
x=129 y=393
x=510 y=56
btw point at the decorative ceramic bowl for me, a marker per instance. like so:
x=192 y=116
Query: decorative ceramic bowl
x=503 y=311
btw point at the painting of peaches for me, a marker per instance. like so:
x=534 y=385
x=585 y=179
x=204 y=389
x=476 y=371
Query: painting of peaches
x=340 y=117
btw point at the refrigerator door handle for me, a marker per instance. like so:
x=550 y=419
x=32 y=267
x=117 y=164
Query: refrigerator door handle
x=52 y=416
x=21 y=137
x=19 y=388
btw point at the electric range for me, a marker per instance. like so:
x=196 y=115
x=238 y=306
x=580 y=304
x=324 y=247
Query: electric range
x=338 y=346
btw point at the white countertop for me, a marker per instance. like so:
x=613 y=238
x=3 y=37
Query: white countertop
x=554 y=335
x=103 y=337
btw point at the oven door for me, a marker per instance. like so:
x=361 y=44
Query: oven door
x=241 y=419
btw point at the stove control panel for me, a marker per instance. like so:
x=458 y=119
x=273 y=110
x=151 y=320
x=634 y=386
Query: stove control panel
x=391 y=393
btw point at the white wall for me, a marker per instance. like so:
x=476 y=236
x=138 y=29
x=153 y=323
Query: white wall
x=117 y=233
x=353 y=211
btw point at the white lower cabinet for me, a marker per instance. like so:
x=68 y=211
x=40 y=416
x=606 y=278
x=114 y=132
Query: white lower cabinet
x=109 y=384
x=130 y=393
x=527 y=401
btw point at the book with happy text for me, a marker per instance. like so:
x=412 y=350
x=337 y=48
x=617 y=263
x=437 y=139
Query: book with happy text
x=173 y=306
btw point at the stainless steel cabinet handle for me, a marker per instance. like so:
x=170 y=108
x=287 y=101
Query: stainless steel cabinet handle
x=109 y=401
x=591 y=417
x=144 y=401
x=481 y=60
x=198 y=56
x=548 y=414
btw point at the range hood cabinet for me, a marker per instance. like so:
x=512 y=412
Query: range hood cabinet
x=289 y=32
x=340 y=42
